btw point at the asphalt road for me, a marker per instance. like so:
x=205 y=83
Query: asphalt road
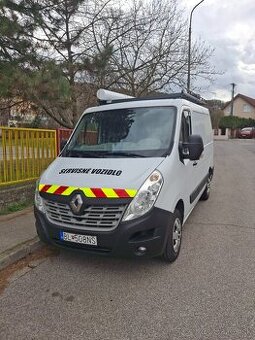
x=208 y=293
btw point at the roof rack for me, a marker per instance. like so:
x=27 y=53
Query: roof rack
x=114 y=97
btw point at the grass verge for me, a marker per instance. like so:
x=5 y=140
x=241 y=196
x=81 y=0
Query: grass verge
x=14 y=207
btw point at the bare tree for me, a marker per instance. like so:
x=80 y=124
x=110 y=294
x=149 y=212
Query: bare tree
x=149 y=48
x=73 y=47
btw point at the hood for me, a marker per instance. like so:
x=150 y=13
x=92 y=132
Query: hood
x=100 y=172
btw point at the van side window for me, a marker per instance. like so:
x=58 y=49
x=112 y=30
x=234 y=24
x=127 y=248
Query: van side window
x=184 y=133
x=185 y=127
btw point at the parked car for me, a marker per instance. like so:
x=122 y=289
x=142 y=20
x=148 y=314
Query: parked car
x=247 y=132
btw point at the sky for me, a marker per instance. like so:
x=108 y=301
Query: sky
x=228 y=26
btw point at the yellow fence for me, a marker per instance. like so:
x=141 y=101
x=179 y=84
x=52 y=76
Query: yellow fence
x=24 y=153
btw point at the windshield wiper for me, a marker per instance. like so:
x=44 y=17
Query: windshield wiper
x=100 y=154
x=121 y=154
x=83 y=154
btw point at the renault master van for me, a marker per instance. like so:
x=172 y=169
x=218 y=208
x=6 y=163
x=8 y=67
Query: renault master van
x=128 y=178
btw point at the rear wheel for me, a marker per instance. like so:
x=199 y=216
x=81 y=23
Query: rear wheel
x=173 y=244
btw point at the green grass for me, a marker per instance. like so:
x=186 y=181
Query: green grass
x=14 y=207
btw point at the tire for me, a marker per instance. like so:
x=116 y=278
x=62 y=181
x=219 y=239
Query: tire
x=206 y=194
x=173 y=245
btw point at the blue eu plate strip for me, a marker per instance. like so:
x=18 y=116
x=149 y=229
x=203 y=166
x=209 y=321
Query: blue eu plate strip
x=61 y=235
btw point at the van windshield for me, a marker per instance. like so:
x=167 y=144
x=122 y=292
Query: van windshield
x=132 y=132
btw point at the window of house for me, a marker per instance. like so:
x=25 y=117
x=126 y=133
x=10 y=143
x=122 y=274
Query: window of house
x=228 y=109
x=246 y=108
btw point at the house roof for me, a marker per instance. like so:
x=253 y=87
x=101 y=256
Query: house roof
x=249 y=100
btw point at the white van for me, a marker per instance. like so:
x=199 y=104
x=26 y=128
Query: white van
x=128 y=177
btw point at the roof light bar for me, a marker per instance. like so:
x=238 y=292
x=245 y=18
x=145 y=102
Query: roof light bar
x=108 y=96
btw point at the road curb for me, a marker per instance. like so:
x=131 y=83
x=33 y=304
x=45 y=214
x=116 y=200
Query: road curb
x=11 y=216
x=19 y=251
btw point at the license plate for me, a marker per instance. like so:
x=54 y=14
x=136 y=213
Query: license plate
x=77 y=238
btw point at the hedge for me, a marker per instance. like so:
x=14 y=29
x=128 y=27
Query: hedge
x=234 y=122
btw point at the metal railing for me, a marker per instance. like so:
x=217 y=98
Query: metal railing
x=24 y=153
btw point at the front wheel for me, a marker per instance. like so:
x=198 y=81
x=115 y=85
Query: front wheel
x=173 y=244
x=206 y=193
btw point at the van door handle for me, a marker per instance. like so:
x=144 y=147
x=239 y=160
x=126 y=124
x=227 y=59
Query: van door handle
x=195 y=163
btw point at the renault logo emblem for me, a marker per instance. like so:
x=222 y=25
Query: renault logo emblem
x=76 y=203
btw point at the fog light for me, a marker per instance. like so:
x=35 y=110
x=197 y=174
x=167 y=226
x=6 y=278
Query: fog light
x=141 y=251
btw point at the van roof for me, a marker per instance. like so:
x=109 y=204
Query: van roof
x=182 y=95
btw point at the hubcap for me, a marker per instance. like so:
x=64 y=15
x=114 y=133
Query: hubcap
x=177 y=234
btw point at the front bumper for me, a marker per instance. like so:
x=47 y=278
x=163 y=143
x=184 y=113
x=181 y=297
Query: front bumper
x=149 y=231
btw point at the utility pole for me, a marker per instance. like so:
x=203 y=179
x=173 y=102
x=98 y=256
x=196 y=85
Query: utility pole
x=232 y=99
x=189 y=45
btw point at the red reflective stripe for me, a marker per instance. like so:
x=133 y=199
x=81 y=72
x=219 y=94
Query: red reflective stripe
x=60 y=190
x=121 y=193
x=98 y=192
x=45 y=188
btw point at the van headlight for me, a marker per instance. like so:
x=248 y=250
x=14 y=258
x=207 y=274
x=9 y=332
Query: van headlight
x=145 y=197
x=38 y=199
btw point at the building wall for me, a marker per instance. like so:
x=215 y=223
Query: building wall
x=240 y=106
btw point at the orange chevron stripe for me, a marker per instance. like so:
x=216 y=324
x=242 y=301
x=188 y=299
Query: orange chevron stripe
x=88 y=192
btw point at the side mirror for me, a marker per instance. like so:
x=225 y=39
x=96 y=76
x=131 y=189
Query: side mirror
x=63 y=144
x=194 y=148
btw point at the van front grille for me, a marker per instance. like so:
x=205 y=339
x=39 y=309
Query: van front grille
x=94 y=217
